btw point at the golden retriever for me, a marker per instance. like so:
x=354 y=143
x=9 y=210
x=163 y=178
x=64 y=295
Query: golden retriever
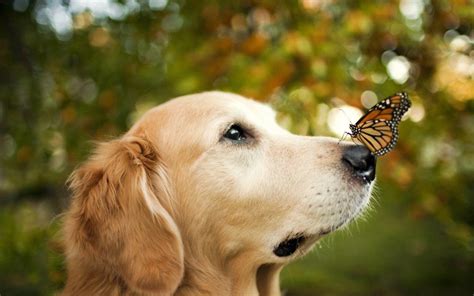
x=207 y=195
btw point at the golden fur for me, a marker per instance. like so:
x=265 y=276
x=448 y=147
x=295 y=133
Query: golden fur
x=172 y=208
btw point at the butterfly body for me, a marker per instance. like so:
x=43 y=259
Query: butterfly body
x=378 y=128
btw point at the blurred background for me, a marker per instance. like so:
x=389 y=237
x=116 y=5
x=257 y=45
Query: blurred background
x=77 y=71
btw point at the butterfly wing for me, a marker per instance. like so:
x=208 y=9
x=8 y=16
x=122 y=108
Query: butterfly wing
x=378 y=128
x=378 y=136
x=391 y=108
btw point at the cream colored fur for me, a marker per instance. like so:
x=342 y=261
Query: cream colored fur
x=173 y=208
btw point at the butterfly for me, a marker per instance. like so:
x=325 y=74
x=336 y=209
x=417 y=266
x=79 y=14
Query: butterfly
x=378 y=128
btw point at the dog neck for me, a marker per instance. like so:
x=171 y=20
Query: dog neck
x=235 y=276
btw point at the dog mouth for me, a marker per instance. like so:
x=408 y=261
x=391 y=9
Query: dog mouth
x=289 y=246
x=303 y=240
x=294 y=242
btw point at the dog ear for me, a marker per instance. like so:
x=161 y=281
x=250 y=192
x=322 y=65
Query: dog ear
x=119 y=221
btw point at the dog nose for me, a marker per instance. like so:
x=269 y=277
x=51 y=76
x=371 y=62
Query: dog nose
x=361 y=160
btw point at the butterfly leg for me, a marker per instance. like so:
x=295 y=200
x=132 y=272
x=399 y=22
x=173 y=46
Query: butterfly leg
x=343 y=137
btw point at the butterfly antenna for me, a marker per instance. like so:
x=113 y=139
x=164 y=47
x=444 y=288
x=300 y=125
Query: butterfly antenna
x=348 y=118
x=345 y=133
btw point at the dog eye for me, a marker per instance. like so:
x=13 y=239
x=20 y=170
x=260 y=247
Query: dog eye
x=235 y=133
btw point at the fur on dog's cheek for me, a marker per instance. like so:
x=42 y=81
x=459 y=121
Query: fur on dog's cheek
x=331 y=205
x=342 y=207
x=272 y=191
x=236 y=172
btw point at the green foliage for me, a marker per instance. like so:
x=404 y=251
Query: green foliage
x=69 y=76
x=30 y=263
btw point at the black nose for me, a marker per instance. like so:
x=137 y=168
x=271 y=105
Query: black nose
x=361 y=160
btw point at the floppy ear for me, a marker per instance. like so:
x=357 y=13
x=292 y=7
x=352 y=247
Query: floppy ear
x=119 y=223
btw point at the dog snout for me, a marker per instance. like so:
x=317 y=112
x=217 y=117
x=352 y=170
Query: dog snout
x=361 y=160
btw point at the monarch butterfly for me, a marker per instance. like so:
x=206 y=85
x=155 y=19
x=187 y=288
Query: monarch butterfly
x=378 y=128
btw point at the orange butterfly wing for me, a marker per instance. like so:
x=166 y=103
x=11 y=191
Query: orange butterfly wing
x=378 y=137
x=378 y=128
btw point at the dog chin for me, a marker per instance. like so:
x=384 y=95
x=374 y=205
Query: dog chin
x=299 y=243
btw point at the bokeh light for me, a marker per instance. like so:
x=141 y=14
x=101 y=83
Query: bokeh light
x=398 y=69
x=339 y=119
x=368 y=98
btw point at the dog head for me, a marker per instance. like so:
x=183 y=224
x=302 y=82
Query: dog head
x=210 y=178
x=245 y=182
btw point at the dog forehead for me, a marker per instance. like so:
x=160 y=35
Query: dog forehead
x=246 y=110
x=206 y=114
x=232 y=104
x=220 y=106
